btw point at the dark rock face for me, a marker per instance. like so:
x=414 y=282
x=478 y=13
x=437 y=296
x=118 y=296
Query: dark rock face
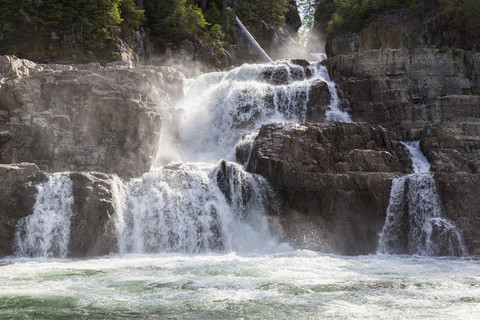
x=459 y=196
x=409 y=88
x=334 y=181
x=68 y=118
x=418 y=94
x=93 y=222
x=17 y=196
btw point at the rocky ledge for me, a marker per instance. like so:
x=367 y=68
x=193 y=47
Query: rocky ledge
x=334 y=183
x=83 y=117
x=333 y=180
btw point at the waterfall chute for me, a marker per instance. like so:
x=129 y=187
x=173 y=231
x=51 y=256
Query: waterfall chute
x=414 y=222
x=195 y=208
x=46 y=232
x=220 y=108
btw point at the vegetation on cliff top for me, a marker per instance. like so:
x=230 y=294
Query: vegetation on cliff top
x=86 y=27
x=349 y=14
x=352 y=15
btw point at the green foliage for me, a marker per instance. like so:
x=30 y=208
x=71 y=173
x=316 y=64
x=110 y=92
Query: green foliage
x=170 y=21
x=85 y=22
x=270 y=11
x=216 y=35
x=351 y=14
x=466 y=14
x=213 y=14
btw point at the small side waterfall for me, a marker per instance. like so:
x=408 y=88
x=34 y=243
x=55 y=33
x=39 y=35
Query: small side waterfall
x=46 y=232
x=414 y=222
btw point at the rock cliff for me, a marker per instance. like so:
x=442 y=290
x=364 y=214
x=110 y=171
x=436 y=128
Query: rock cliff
x=83 y=117
x=429 y=25
x=333 y=180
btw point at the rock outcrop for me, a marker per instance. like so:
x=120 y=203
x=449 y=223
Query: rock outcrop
x=83 y=117
x=407 y=88
x=418 y=94
x=333 y=180
x=92 y=231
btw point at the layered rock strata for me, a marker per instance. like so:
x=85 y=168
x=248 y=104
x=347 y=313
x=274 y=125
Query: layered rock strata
x=83 y=117
x=333 y=181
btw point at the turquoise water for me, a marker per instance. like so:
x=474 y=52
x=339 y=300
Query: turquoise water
x=286 y=285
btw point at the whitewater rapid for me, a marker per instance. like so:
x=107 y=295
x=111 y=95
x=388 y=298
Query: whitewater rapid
x=289 y=285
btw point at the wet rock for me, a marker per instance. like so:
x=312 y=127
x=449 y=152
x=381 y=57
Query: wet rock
x=318 y=99
x=458 y=193
x=93 y=230
x=419 y=93
x=333 y=180
x=18 y=188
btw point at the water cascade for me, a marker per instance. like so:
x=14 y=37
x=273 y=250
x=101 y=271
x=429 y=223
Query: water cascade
x=414 y=222
x=221 y=107
x=195 y=208
x=186 y=205
x=46 y=232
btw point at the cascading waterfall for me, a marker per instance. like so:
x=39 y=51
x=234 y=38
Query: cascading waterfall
x=414 y=222
x=221 y=107
x=46 y=232
x=195 y=208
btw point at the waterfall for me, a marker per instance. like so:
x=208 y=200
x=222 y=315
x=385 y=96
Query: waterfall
x=195 y=208
x=46 y=232
x=221 y=107
x=184 y=204
x=414 y=222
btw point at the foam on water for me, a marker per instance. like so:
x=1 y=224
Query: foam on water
x=46 y=232
x=289 y=285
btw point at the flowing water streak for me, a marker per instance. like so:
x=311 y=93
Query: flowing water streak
x=46 y=232
x=414 y=222
x=288 y=285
